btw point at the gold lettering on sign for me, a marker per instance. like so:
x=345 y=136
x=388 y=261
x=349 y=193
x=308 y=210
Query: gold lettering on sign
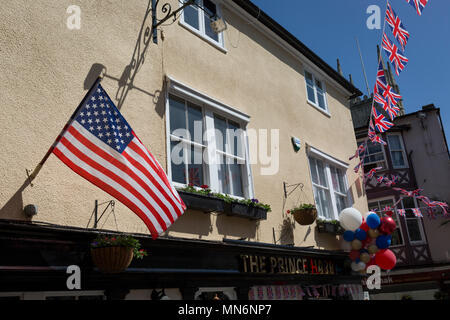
x=254 y=264
x=273 y=264
x=281 y=264
x=244 y=258
x=262 y=264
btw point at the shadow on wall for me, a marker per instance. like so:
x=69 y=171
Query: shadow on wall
x=13 y=209
x=192 y=222
x=126 y=80
x=236 y=227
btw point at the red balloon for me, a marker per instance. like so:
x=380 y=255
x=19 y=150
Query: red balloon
x=389 y=213
x=354 y=254
x=387 y=225
x=385 y=259
x=365 y=227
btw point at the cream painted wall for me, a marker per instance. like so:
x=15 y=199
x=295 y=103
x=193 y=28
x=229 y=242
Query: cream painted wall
x=44 y=66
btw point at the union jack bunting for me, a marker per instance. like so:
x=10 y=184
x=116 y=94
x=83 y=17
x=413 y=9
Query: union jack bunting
x=357 y=167
x=374 y=138
x=395 y=55
x=398 y=29
x=419 y=5
x=360 y=150
x=417 y=213
x=401 y=212
x=380 y=179
x=371 y=173
x=381 y=123
x=384 y=89
x=391 y=110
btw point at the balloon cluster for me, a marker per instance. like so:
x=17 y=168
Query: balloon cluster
x=370 y=239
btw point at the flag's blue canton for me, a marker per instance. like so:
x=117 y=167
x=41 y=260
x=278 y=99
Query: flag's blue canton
x=101 y=117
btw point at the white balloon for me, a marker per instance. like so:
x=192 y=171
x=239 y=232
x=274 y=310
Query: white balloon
x=358 y=266
x=350 y=219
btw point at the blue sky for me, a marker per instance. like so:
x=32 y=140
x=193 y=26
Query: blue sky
x=330 y=29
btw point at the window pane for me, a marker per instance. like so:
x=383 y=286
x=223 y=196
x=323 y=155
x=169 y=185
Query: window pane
x=322 y=173
x=195 y=167
x=224 y=183
x=177 y=162
x=310 y=87
x=321 y=98
x=413 y=230
x=397 y=159
x=195 y=123
x=314 y=177
x=338 y=180
x=236 y=178
x=235 y=139
x=322 y=199
x=191 y=16
x=177 y=113
x=394 y=142
x=221 y=128
x=210 y=11
x=341 y=203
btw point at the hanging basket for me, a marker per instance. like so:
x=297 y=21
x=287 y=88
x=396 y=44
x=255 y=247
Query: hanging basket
x=112 y=259
x=305 y=217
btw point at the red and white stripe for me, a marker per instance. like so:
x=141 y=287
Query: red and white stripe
x=134 y=177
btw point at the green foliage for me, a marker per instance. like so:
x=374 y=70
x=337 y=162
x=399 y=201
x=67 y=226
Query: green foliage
x=103 y=241
x=206 y=191
x=304 y=206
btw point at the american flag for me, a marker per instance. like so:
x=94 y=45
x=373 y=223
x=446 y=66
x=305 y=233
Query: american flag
x=395 y=55
x=381 y=123
x=100 y=146
x=419 y=5
x=398 y=29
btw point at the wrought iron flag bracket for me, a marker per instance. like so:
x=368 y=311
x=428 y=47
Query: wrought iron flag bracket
x=294 y=186
x=167 y=10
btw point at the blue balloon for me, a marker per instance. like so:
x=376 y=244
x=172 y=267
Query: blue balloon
x=360 y=234
x=373 y=221
x=383 y=242
x=349 y=235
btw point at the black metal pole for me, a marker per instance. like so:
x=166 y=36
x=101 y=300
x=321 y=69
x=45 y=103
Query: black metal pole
x=95 y=214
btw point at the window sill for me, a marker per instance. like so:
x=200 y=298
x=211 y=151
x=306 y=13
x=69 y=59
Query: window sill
x=203 y=37
x=325 y=112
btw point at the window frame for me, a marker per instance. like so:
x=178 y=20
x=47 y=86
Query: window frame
x=399 y=226
x=210 y=107
x=405 y=159
x=201 y=32
x=329 y=162
x=419 y=222
x=386 y=165
x=315 y=103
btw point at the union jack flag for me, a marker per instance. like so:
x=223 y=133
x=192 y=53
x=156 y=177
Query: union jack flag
x=395 y=55
x=417 y=213
x=380 y=179
x=398 y=29
x=401 y=212
x=374 y=138
x=384 y=89
x=381 y=123
x=371 y=173
x=419 y=5
x=357 y=167
x=360 y=150
x=390 y=109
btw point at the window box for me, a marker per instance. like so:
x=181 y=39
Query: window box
x=332 y=227
x=245 y=211
x=200 y=202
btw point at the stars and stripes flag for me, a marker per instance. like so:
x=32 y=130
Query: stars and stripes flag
x=380 y=121
x=395 y=55
x=418 y=5
x=398 y=29
x=100 y=145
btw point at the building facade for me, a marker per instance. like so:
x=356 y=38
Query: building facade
x=254 y=80
x=415 y=157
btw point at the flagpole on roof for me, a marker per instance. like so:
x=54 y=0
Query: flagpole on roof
x=32 y=175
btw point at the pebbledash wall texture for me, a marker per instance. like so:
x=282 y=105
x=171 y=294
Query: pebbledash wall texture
x=47 y=68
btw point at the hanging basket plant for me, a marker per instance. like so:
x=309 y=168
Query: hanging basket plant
x=114 y=254
x=305 y=214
